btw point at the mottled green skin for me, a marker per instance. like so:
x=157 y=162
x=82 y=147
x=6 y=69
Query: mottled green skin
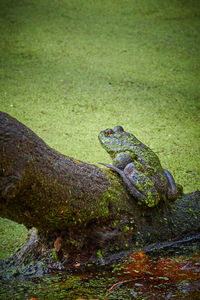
x=145 y=170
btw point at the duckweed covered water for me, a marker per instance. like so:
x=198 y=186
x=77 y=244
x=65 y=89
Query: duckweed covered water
x=69 y=69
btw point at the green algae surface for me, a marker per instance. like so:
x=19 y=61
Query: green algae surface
x=69 y=69
x=12 y=237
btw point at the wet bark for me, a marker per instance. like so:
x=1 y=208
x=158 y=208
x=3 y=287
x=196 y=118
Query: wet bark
x=81 y=211
x=42 y=188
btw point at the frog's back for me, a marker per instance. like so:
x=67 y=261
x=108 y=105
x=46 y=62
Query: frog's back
x=143 y=153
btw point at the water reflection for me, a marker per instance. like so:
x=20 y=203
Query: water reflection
x=140 y=276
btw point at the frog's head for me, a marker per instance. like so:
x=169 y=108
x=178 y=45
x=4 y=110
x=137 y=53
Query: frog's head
x=115 y=140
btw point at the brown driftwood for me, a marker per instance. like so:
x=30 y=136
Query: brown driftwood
x=79 y=208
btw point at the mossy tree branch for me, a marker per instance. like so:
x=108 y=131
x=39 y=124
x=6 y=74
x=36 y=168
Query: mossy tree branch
x=77 y=206
x=42 y=188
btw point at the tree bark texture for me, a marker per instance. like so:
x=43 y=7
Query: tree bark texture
x=79 y=207
x=45 y=189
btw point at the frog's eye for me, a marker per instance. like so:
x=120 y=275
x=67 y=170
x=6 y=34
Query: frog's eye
x=108 y=132
x=118 y=129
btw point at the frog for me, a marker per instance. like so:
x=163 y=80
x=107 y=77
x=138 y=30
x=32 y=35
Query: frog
x=139 y=167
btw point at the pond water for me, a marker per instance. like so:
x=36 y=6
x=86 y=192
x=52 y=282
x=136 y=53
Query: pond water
x=139 y=276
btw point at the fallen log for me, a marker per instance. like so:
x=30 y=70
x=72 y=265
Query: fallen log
x=81 y=211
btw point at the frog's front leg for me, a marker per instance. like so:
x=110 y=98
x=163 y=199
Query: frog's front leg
x=122 y=159
x=129 y=185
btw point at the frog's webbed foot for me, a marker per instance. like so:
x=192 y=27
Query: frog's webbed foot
x=171 y=187
x=129 y=185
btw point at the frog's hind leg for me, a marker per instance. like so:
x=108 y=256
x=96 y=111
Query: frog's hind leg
x=171 y=186
x=141 y=186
